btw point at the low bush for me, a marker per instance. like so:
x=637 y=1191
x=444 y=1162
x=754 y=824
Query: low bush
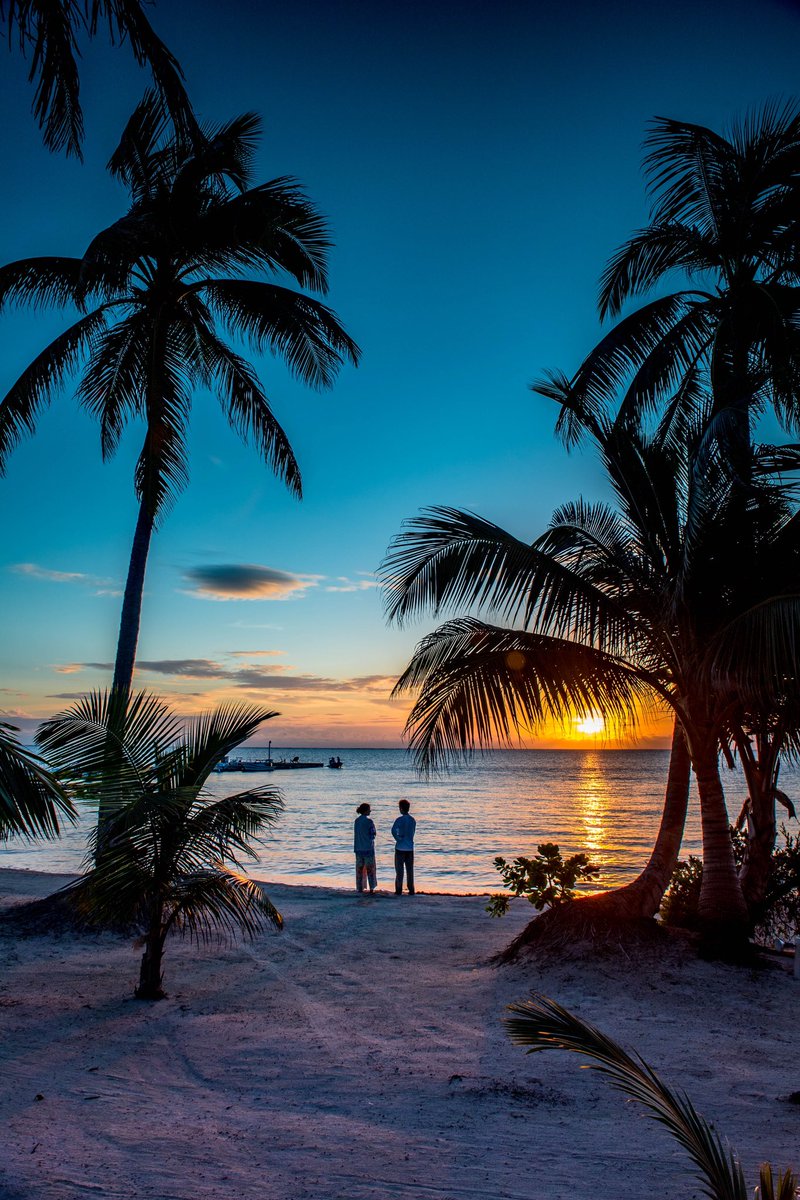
x=545 y=881
x=780 y=913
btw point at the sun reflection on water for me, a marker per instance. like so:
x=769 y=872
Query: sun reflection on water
x=592 y=798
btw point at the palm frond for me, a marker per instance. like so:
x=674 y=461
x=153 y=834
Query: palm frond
x=273 y=226
x=542 y=1024
x=647 y=257
x=221 y=901
x=758 y=649
x=32 y=801
x=686 y=167
x=479 y=684
x=582 y=413
x=47 y=34
x=106 y=741
x=127 y=22
x=306 y=334
x=40 y=282
x=248 y=409
x=213 y=735
x=38 y=382
x=134 y=162
x=447 y=559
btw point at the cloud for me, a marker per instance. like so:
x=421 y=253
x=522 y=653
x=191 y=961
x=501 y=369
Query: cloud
x=66 y=695
x=188 y=668
x=105 y=587
x=344 y=584
x=246 y=581
x=68 y=668
x=254 y=653
x=250 y=678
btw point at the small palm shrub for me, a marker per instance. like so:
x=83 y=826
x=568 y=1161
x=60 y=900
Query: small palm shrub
x=167 y=857
x=546 y=880
x=542 y=1024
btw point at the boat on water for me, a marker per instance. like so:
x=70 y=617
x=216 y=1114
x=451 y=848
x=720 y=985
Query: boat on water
x=335 y=763
x=269 y=763
x=263 y=764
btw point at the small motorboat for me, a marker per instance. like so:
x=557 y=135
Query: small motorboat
x=335 y=763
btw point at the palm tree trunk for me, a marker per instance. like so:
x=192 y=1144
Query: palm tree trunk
x=722 y=909
x=132 y=601
x=638 y=901
x=761 y=827
x=642 y=897
x=150 y=974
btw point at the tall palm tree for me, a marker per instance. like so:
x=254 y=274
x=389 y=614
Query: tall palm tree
x=172 y=854
x=32 y=801
x=47 y=32
x=718 y=351
x=610 y=608
x=542 y=1024
x=195 y=257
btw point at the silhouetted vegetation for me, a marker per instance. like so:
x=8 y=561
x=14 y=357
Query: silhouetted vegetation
x=170 y=859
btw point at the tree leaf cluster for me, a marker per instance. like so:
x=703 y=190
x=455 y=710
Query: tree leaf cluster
x=546 y=880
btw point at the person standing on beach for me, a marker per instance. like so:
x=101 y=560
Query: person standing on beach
x=364 y=847
x=403 y=833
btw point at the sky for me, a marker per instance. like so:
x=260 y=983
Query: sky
x=477 y=163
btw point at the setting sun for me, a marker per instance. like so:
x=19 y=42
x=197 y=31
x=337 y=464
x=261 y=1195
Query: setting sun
x=590 y=725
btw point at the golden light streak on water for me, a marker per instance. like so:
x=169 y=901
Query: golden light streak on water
x=592 y=798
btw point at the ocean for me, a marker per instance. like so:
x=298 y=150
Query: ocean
x=604 y=802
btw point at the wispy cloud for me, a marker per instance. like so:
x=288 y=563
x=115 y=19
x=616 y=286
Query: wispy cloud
x=104 y=587
x=250 y=678
x=344 y=584
x=246 y=581
x=255 y=653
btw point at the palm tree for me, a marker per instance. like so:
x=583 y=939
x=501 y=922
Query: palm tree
x=32 y=801
x=542 y=1024
x=194 y=257
x=609 y=609
x=47 y=32
x=725 y=345
x=172 y=855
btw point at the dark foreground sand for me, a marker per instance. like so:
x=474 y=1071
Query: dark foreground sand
x=360 y=1054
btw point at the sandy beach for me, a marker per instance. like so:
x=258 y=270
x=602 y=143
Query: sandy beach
x=360 y=1054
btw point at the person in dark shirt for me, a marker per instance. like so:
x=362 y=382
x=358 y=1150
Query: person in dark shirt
x=364 y=847
x=403 y=833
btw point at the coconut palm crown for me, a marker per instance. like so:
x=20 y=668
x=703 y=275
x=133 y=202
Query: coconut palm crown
x=723 y=227
x=171 y=853
x=199 y=259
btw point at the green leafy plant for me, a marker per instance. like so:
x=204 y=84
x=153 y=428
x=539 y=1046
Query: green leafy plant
x=778 y=915
x=679 y=907
x=168 y=857
x=542 y=1024
x=545 y=881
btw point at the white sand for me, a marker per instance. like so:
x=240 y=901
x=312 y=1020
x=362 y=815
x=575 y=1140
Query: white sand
x=360 y=1054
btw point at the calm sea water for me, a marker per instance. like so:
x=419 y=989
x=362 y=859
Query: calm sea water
x=606 y=803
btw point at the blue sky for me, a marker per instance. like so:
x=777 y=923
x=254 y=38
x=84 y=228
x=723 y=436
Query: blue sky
x=477 y=163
